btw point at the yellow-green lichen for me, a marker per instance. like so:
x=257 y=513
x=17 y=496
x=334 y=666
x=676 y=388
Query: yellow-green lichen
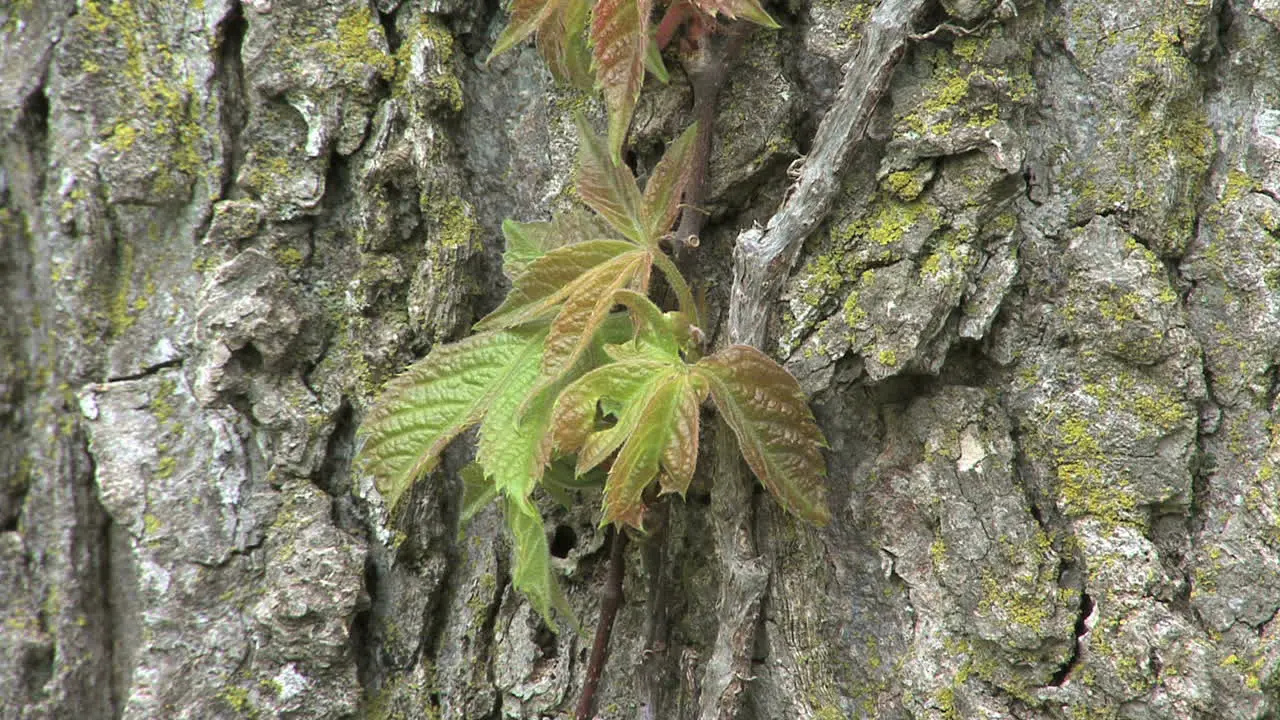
x=165 y=468
x=1087 y=486
x=357 y=46
x=886 y=222
x=291 y=258
x=455 y=222
x=119 y=314
x=156 y=83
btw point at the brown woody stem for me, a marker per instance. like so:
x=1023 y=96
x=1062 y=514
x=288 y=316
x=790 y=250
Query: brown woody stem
x=708 y=72
x=609 y=604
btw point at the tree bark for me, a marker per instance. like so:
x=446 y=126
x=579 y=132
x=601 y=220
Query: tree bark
x=1022 y=255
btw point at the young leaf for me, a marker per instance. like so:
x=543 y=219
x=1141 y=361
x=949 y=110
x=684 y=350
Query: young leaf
x=549 y=280
x=529 y=241
x=562 y=39
x=477 y=492
x=526 y=242
x=438 y=397
x=620 y=36
x=746 y=9
x=667 y=184
x=531 y=557
x=526 y=16
x=653 y=62
x=608 y=186
x=587 y=306
x=666 y=437
x=515 y=441
x=770 y=416
x=655 y=334
x=573 y=420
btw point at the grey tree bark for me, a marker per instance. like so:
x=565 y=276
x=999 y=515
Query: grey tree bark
x=1029 y=270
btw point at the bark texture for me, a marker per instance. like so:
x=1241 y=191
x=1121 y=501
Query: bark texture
x=1036 y=299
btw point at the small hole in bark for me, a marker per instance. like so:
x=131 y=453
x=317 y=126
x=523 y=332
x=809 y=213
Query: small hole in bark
x=546 y=641
x=564 y=541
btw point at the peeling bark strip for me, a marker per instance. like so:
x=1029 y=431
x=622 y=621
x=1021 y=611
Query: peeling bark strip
x=762 y=258
x=746 y=577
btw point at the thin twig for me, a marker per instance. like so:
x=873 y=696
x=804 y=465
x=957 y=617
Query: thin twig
x=609 y=604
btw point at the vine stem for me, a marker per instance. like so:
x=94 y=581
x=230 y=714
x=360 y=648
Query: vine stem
x=609 y=604
x=681 y=287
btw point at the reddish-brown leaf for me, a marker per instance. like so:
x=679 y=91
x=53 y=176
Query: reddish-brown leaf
x=587 y=306
x=607 y=187
x=667 y=183
x=619 y=35
x=526 y=16
x=549 y=279
x=562 y=40
x=663 y=438
x=770 y=416
x=680 y=455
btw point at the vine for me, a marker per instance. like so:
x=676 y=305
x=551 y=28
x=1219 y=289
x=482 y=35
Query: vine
x=579 y=378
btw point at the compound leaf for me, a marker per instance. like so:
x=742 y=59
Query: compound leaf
x=587 y=306
x=665 y=437
x=770 y=416
x=667 y=184
x=436 y=398
x=549 y=279
x=608 y=186
x=620 y=38
x=574 y=416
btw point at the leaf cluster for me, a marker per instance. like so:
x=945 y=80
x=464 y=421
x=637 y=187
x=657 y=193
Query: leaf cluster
x=608 y=44
x=579 y=378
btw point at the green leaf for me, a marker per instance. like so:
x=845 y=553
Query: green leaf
x=434 y=400
x=667 y=184
x=665 y=437
x=515 y=439
x=526 y=16
x=655 y=333
x=531 y=557
x=620 y=37
x=574 y=416
x=529 y=241
x=549 y=280
x=526 y=242
x=608 y=186
x=562 y=39
x=770 y=416
x=653 y=62
x=586 y=308
x=477 y=492
x=745 y=9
